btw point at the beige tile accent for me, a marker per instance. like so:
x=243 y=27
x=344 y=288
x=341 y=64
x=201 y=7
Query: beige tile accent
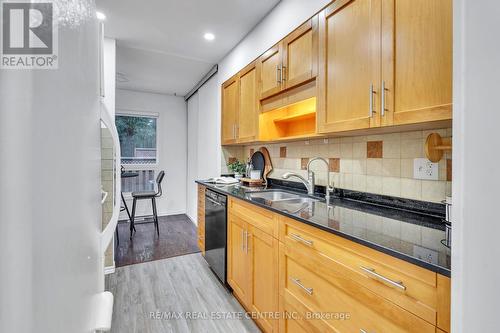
x=374 y=166
x=359 y=150
x=282 y=152
x=374 y=149
x=434 y=191
x=412 y=148
x=346 y=180
x=391 y=186
x=392 y=149
x=411 y=135
x=407 y=168
x=359 y=183
x=351 y=167
x=391 y=167
x=334 y=150
x=334 y=164
x=374 y=184
x=448 y=188
x=345 y=165
x=359 y=166
x=392 y=137
x=346 y=150
x=411 y=188
x=346 y=139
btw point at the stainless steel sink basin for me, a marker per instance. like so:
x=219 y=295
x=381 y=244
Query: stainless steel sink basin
x=278 y=195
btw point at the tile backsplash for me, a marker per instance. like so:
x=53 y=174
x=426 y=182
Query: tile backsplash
x=381 y=164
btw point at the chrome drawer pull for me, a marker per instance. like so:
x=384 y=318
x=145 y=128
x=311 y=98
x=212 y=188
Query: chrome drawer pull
x=297 y=282
x=371 y=271
x=302 y=240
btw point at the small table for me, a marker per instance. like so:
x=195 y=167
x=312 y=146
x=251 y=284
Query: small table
x=127 y=174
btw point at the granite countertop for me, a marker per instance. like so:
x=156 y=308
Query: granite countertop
x=409 y=234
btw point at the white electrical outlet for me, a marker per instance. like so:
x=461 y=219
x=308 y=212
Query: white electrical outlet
x=425 y=169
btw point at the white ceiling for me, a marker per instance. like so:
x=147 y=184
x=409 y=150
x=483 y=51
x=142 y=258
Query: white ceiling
x=160 y=44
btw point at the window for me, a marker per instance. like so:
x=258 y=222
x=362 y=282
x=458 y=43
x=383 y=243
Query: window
x=138 y=143
x=137 y=139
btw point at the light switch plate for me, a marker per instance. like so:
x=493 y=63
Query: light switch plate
x=425 y=169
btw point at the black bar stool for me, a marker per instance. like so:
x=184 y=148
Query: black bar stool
x=142 y=195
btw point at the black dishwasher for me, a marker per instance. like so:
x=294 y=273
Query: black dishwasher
x=215 y=233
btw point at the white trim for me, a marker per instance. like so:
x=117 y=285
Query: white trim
x=136 y=112
x=109 y=269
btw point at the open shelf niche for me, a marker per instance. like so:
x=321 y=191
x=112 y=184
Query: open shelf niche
x=296 y=120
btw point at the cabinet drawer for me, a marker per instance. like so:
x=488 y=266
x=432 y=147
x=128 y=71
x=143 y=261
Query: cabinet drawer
x=409 y=286
x=331 y=302
x=261 y=218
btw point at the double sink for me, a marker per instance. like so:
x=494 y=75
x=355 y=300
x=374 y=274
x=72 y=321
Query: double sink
x=282 y=200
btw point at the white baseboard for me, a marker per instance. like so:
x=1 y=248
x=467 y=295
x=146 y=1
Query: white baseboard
x=109 y=270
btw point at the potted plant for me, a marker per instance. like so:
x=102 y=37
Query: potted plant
x=238 y=168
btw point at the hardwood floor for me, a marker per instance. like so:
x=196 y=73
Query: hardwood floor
x=178 y=236
x=183 y=287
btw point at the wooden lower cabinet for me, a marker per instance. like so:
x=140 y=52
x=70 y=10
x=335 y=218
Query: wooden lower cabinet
x=296 y=278
x=332 y=303
x=201 y=218
x=263 y=295
x=253 y=270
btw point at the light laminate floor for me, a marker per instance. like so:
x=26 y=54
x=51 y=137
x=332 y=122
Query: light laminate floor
x=176 y=295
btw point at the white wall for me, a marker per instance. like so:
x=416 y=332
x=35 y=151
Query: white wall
x=476 y=180
x=172 y=145
x=286 y=16
x=110 y=74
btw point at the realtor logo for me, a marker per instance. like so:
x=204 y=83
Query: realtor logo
x=29 y=36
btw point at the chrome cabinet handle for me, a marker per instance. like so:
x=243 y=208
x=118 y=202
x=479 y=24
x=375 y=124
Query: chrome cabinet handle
x=362 y=331
x=370 y=111
x=302 y=240
x=382 y=99
x=242 y=240
x=278 y=74
x=298 y=283
x=372 y=272
x=283 y=76
x=214 y=202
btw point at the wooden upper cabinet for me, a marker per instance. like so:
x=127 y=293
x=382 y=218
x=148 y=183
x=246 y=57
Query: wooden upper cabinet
x=417 y=60
x=349 y=71
x=248 y=111
x=300 y=54
x=230 y=104
x=291 y=62
x=270 y=71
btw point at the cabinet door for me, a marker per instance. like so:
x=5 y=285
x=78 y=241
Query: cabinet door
x=300 y=54
x=270 y=71
x=230 y=105
x=417 y=60
x=237 y=264
x=201 y=218
x=248 y=117
x=263 y=296
x=350 y=65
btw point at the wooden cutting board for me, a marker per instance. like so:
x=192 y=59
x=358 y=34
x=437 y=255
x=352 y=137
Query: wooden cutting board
x=268 y=165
